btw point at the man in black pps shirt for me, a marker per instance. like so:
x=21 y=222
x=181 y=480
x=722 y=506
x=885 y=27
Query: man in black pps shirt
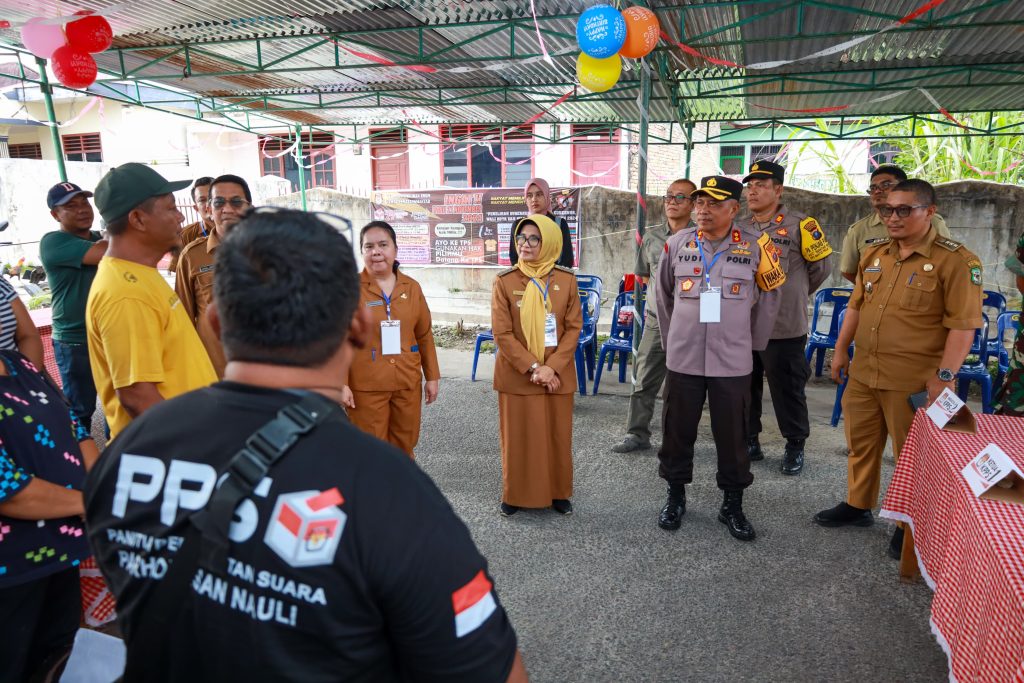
x=346 y=563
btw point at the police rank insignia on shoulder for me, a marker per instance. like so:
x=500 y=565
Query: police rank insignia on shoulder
x=736 y=236
x=780 y=218
x=813 y=244
x=947 y=243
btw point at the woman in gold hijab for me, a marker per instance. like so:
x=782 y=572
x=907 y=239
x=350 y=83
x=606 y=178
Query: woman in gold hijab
x=536 y=318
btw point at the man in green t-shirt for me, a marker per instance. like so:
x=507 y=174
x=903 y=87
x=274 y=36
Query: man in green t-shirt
x=69 y=256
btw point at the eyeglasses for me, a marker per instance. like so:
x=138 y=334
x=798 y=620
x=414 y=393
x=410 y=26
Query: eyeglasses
x=880 y=187
x=235 y=202
x=901 y=211
x=532 y=240
x=677 y=198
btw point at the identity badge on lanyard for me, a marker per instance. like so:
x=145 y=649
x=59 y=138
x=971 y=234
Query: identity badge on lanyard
x=550 y=326
x=390 y=332
x=710 y=297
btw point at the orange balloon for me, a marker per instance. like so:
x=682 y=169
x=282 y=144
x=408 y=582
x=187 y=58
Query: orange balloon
x=642 y=32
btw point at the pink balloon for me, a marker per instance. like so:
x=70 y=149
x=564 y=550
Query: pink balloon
x=42 y=40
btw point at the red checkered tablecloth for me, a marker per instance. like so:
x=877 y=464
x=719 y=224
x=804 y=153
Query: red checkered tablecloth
x=970 y=550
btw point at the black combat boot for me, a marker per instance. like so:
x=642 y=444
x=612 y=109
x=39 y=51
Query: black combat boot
x=754 y=449
x=671 y=516
x=793 y=459
x=731 y=515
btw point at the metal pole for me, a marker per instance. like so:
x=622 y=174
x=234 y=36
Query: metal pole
x=298 y=160
x=641 y=190
x=58 y=150
x=689 y=148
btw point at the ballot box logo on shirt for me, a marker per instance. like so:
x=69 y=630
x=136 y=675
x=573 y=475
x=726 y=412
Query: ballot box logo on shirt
x=305 y=527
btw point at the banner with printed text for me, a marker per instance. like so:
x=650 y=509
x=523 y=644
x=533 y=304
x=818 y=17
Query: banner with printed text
x=464 y=227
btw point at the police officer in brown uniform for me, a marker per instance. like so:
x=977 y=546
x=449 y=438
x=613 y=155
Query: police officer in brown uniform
x=649 y=369
x=912 y=315
x=716 y=305
x=804 y=254
x=230 y=199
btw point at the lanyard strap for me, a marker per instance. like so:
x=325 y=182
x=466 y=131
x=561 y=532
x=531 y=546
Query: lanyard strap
x=544 y=291
x=387 y=302
x=707 y=267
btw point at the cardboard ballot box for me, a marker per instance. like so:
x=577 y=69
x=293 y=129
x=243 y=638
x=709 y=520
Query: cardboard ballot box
x=994 y=476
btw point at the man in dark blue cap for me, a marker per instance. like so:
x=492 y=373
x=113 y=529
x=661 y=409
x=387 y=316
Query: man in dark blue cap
x=70 y=256
x=142 y=345
x=716 y=304
x=804 y=254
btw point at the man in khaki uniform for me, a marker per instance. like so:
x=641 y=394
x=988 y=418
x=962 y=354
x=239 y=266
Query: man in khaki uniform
x=202 y=227
x=230 y=199
x=872 y=227
x=716 y=305
x=649 y=368
x=913 y=313
x=804 y=254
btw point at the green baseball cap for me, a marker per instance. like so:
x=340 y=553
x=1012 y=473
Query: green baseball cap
x=128 y=185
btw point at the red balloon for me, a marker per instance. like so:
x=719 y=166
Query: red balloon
x=73 y=67
x=91 y=34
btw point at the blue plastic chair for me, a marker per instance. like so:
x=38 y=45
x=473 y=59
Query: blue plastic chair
x=590 y=301
x=817 y=341
x=837 y=407
x=620 y=342
x=977 y=371
x=993 y=305
x=1007 y=322
x=481 y=337
x=584 y=281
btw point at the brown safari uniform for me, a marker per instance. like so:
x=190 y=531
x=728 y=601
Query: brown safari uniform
x=189 y=234
x=866 y=231
x=194 y=286
x=906 y=310
x=536 y=426
x=388 y=390
x=712 y=359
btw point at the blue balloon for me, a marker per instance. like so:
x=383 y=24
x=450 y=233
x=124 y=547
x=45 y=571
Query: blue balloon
x=601 y=31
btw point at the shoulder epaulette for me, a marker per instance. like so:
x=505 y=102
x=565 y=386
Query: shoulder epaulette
x=947 y=243
x=565 y=270
x=507 y=271
x=877 y=240
x=193 y=245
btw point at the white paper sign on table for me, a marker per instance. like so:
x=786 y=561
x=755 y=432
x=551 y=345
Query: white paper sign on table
x=944 y=408
x=988 y=468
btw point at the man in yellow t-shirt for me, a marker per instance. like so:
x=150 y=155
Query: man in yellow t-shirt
x=142 y=346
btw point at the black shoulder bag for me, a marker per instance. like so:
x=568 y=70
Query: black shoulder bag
x=206 y=538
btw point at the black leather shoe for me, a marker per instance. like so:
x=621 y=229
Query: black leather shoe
x=561 y=506
x=793 y=459
x=844 y=515
x=731 y=515
x=671 y=516
x=507 y=510
x=754 y=449
x=895 y=550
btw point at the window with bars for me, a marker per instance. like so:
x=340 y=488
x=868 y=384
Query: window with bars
x=82 y=147
x=767 y=152
x=880 y=153
x=318 y=160
x=732 y=159
x=478 y=157
x=26 y=150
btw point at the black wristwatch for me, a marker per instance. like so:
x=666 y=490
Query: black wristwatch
x=945 y=374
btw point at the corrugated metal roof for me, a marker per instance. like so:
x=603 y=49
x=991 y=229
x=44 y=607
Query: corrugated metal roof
x=480 y=78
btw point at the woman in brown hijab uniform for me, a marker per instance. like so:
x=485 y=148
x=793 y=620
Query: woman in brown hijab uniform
x=536 y=317
x=383 y=392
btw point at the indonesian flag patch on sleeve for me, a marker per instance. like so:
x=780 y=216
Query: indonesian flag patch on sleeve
x=473 y=604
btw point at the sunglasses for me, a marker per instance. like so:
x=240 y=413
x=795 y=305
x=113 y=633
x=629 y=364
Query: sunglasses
x=901 y=211
x=235 y=202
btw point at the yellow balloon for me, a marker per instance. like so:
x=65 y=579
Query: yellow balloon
x=598 y=75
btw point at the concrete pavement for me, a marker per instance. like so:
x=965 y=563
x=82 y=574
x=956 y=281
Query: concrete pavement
x=605 y=595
